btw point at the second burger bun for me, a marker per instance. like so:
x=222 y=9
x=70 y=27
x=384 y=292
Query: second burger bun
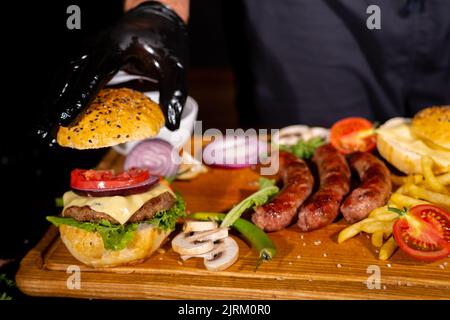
x=115 y=116
x=88 y=247
x=401 y=148
x=432 y=125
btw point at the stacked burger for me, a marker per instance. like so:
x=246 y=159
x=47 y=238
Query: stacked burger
x=113 y=219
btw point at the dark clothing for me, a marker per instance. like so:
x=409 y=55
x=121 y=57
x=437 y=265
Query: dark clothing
x=315 y=61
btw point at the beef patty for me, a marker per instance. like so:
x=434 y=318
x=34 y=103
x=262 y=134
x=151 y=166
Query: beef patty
x=164 y=201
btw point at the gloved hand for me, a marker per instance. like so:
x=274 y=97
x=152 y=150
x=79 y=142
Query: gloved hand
x=150 y=40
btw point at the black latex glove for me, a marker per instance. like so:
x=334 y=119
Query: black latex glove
x=150 y=40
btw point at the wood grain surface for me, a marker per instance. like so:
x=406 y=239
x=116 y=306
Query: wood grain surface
x=307 y=266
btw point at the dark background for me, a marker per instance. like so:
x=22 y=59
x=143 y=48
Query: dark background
x=36 y=43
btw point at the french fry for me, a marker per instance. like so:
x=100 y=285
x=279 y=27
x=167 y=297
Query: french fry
x=401 y=190
x=387 y=216
x=431 y=196
x=414 y=179
x=387 y=234
x=398 y=180
x=444 y=179
x=387 y=249
x=377 y=226
x=430 y=179
x=352 y=230
x=378 y=212
x=377 y=239
x=402 y=201
x=383 y=213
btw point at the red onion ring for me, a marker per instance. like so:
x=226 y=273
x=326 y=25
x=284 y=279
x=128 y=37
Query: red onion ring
x=234 y=152
x=122 y=191
x=156 y=155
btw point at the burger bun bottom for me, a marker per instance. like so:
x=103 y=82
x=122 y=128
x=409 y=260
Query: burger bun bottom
x=88 y=247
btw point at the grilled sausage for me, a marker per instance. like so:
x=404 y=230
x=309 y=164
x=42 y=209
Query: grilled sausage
x=374 y=190
x=323 y=207
x=298 y=184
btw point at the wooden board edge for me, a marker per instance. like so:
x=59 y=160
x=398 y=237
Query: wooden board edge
x=120 y=289
x=34 y=259
x=32 y=272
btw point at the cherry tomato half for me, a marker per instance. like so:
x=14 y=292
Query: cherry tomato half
x=424 y=233
x=353 y=134
x=106 y=179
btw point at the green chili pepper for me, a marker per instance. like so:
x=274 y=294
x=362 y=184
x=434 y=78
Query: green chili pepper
x=251 y=233
x=256 y=199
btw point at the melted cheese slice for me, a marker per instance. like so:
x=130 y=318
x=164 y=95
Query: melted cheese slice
x=118 y=207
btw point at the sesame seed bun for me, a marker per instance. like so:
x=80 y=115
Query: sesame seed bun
x=115 y=116
x=433 y=126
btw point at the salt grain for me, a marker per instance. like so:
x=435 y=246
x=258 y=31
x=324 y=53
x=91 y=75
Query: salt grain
x=290 y=263
x=298 y=257
x=389 y=265
x=301 y=237
x=161 y=251
x=339 y=265
x=441 y=266
x=325 y=255
x=180 y=263
x=304 y=244
x=280 y=278
x=317 y=242
x=384 y=287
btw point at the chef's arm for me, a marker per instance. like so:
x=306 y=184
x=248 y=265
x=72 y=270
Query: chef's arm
x=181 y=7
x=149 y=40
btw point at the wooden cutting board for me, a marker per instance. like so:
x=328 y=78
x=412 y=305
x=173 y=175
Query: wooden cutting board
x=307 y=266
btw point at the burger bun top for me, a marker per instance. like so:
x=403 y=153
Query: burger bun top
x=115 y=116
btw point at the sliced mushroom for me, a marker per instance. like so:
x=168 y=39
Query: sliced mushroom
x=195 y=225
x=219 y=246
x=292 y=134
x=183 y=244
x=225 y=258
x=210 y=235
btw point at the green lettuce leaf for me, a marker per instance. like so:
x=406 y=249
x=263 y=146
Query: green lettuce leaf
x=116 y=236
x=167 y=219
x=304 y=149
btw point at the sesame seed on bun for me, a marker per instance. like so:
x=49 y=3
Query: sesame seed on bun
x=115 y=116
x=433 y=125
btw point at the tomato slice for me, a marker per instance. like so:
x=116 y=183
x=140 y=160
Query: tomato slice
x=424 y=233
x=353 y=134
x=106 y=179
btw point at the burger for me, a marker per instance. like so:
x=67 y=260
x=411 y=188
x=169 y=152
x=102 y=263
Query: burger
x=110 y=219
x=403 y=142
